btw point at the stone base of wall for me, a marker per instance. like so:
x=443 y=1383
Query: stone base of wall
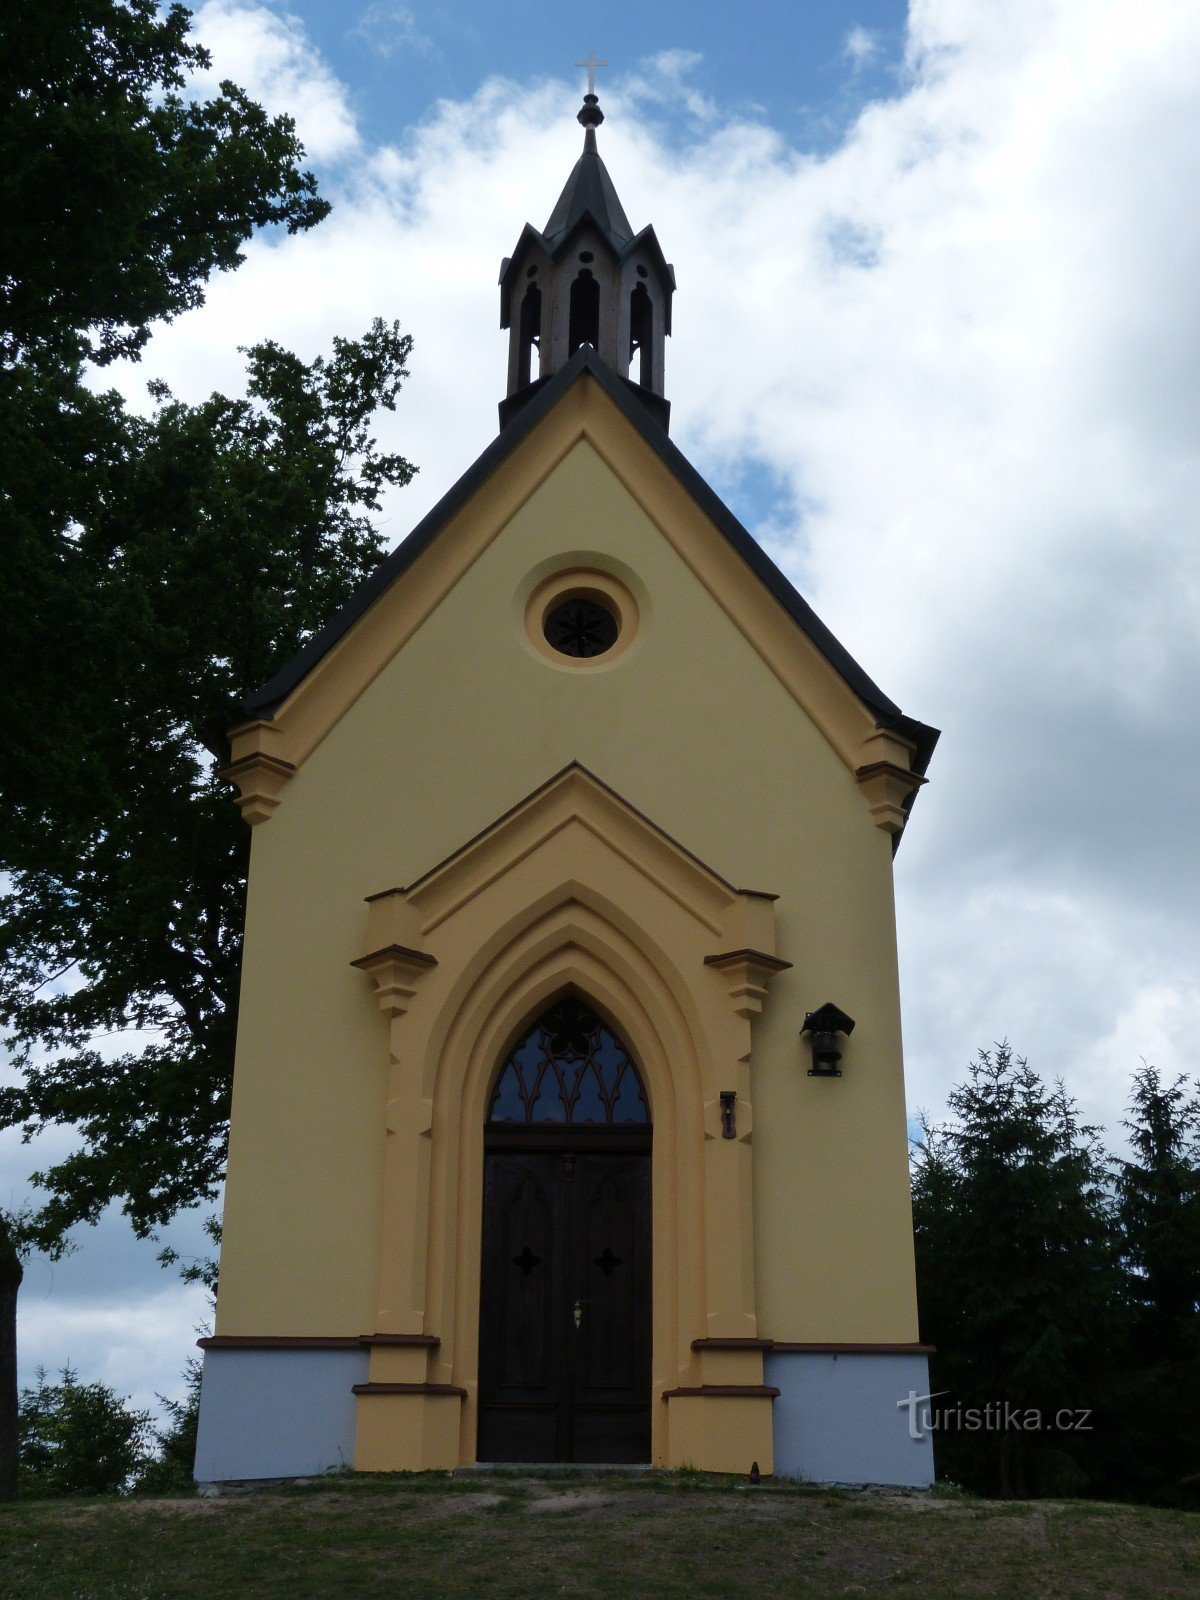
x=844 y=1418
x=277 y=1413
x=271 y=1413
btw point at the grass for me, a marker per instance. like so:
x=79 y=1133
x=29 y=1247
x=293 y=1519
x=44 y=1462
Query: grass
x=434 y=1537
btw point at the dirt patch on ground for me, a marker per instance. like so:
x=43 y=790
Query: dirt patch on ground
x=178 y=1506
x=455 y=1505
x=574 y=1502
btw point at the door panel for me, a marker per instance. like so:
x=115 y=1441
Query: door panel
x=564 y=1362
x=521 y=1344
x=526 y=1250
x=611 y=1262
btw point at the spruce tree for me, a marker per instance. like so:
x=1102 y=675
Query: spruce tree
x=1017 y=1275
x=1158 y=1189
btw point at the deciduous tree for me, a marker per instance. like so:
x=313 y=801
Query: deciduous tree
x=11 y=1273
x=156 y=568
x=121 y=192
x=223 y=536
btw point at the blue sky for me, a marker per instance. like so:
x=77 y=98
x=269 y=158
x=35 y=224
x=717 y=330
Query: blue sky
x=803 y=68
x=936 y=340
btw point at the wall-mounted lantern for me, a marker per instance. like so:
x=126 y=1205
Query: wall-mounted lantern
x=824 y=1024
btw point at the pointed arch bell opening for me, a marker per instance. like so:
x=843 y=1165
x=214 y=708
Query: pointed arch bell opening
x=641 y=335
x=529 y=335
x=584 y=314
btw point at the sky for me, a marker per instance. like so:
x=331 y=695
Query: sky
x=935 y=342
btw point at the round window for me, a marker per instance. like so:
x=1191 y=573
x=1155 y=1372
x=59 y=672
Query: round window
x=581 y=627
x=578 y=618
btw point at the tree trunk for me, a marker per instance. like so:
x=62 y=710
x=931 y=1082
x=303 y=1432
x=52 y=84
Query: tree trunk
x=1006 y=1478
x=11 y=1273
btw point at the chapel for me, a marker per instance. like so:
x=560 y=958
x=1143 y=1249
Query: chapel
x=568 y=1116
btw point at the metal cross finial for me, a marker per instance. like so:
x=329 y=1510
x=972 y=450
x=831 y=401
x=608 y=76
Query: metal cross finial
x=591 y=64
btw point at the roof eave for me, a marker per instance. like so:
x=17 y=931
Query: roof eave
x=559 y=244
x=511 y=265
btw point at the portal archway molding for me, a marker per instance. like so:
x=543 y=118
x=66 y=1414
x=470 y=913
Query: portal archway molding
x=567 y=956
x=574 y=890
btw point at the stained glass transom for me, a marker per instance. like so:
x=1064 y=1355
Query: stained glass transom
x=569 y=1068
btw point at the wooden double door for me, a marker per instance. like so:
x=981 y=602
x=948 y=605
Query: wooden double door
x=564 y=1358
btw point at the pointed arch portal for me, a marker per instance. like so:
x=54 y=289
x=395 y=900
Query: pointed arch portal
x=570 y=997
x=565 y=1307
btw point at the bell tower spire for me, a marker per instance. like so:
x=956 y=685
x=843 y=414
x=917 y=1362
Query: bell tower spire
x=587 y=279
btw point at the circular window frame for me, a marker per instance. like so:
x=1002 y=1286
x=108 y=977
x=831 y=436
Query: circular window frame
x=581 y=583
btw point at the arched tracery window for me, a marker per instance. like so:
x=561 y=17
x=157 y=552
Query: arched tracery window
x=569 y=1068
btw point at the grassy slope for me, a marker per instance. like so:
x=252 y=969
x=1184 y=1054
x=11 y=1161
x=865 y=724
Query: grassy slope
x=498 y=1536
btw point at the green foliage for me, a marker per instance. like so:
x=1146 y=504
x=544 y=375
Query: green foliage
x=219 y=538
x=1046 y=1284
x=1158 y=1192
x=78 y=1438
x=157 y=568
x=169 y=1471
x=83 y=1438
x=198 y=1269
x=1158 y=1195
x=120 y=193
x=378 y=1535
x=1017 y=1269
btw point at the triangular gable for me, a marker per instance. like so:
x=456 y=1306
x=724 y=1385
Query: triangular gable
x=886 y=750
x=405 y=924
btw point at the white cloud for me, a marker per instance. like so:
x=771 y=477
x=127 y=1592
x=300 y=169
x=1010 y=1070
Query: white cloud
x=965 y=345
x=389 y=30
x=268 y=54
x=664 y=80
x=135 y=1343
x=861 y=46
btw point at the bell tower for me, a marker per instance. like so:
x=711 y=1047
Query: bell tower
x=587 y=279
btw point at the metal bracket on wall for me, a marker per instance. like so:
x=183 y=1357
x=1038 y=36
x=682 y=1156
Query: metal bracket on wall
x=728 y=1120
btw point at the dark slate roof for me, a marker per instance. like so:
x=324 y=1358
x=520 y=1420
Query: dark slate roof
x=887 y=714
x=589 y=197
x=588 y=192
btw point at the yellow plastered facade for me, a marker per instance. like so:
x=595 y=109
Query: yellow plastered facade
x=454 y=829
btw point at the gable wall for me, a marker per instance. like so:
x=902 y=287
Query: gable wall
x=690 y=726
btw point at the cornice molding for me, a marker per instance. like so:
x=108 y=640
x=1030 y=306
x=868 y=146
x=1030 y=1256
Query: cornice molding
x=723 y=1391
x=259 y=778
x=395 y=970
x=888 y=788
x=315 y=1341
x=409 y=1388
x=748 y=973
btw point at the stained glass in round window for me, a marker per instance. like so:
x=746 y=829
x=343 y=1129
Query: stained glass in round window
x=581 y=627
